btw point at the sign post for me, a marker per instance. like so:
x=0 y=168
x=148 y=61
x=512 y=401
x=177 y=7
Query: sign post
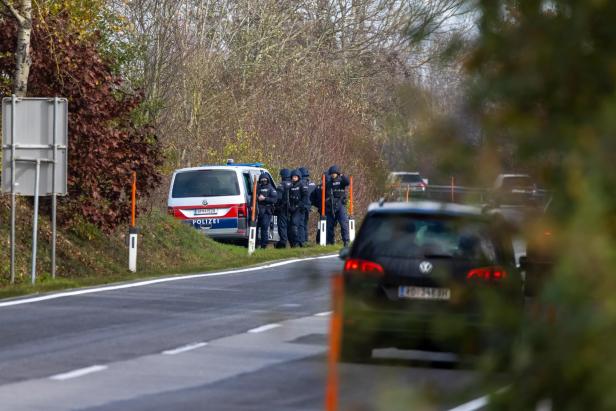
x=351 y=219
x=323 y=221
x=133 y=231
x=252 y=236
x=35 y=152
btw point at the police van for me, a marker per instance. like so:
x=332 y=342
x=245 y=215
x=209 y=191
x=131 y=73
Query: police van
x=216 y=199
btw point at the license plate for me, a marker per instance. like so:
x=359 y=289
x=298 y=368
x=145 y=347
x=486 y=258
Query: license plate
x=206 y=211
x=424 y=293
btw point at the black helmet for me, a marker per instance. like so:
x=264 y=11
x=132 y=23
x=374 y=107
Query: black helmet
x=334 y=170
x=264 y=176
x=296 y=172
x=304 y=171
x=285 y=173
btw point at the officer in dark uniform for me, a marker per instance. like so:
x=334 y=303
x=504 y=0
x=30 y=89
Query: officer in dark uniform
x=266 y=200
x=311 y=188
x=335 y=204
x=282 y=208
x=298 y=198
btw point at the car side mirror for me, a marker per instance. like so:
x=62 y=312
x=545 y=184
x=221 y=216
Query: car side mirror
x=344 y=253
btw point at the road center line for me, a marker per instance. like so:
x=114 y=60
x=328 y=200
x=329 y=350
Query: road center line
x=263 y=328
x=156 y=281
x=78 y=373
x=184 y=348
x=323 y=314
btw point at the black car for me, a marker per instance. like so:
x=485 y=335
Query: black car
x=420 y=275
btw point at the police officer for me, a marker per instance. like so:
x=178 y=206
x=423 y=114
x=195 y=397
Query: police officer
x=283 y=208
x=298 y=198
x=266 y=199
x=335 y=204
x=311 y=186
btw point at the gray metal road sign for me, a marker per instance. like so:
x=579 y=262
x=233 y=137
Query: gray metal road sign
x=37 y=130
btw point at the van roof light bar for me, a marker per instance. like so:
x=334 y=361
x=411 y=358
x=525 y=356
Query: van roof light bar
x=257 y=165
x=246 y=164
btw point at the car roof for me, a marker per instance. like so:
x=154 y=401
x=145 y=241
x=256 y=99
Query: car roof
x=424 y=207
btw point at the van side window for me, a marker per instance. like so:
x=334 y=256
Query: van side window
x=248 y=183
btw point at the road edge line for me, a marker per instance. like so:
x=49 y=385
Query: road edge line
x=53 y=296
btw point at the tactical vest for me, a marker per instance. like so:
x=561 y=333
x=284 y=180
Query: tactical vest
x=295 y=195
x=338 y=191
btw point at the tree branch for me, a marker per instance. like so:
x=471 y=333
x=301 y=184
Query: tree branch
x=20 y=19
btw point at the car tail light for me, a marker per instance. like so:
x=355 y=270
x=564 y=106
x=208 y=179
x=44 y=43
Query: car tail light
x=241 y=210
x=493 y=273
x=363 y=266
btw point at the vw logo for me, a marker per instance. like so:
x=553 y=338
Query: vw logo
x=204 y=202
x=425 y=267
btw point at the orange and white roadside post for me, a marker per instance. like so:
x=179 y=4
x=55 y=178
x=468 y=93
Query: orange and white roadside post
x=322 y=220
x=252 y=236
x=133 y=231
x=351 y=218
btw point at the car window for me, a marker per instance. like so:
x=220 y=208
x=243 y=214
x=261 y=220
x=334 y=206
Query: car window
x=517 y=182
x=410 y=178
x=417 y=236
x=205 y=183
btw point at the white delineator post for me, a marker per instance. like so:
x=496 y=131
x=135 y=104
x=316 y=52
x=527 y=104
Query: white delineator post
x=132 y=249
x=323 y=221
x=133 y=230
x=252 y=233
x=351 y=218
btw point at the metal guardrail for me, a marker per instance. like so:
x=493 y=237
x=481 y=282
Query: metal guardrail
x=468 y=195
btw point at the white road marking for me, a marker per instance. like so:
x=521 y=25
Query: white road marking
x=292 y=305
x=323 y=314
x=264 y=328
x=184 y=348
x=477 y=403
x=156 y=281
x=78 y=373
x=472 y=405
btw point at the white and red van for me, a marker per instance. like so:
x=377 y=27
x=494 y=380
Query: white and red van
x=216 y=199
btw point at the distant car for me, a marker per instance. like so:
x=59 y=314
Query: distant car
x=216 y=199
x=414 y=274
x=514 y=190
x=412 y=179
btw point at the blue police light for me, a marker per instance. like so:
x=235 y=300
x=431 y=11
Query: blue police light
x=246 y=164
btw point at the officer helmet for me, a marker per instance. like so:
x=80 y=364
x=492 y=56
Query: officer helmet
x=285 y=173
x=304 y=171
x=334 y=170
x=296 y=173
x=263 y=178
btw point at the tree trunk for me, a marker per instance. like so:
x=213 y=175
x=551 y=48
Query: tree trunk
x=23 y=17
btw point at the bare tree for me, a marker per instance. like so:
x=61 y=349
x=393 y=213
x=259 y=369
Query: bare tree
x=22 y=13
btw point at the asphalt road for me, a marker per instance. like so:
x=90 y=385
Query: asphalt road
x=245 y=340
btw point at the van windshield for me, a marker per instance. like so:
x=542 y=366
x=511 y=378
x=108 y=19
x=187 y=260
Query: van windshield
x=205 y=183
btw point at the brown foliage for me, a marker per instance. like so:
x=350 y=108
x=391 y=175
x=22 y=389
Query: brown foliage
x=105 y=143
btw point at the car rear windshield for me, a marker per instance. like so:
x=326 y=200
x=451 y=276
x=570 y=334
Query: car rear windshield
x=205 y=183
x=517 y=182
x=419 y=236
x=409 y=178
